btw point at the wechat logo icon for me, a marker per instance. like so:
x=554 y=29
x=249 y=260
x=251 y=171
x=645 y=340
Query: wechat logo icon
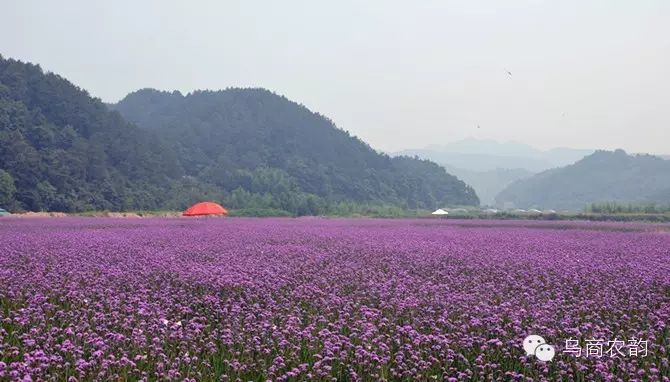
x=537 y=346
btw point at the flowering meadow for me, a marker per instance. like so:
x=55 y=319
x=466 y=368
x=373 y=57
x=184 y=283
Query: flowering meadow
x=330 y=299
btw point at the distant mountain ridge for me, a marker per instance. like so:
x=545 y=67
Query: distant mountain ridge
x=487 y=154
x=604 y=176
x=489 y=166
x=489 y=183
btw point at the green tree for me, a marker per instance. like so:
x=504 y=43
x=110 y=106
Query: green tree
x=7 y=189
x=249 y=148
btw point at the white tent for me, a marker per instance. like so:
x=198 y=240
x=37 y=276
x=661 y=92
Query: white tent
x=440 y=211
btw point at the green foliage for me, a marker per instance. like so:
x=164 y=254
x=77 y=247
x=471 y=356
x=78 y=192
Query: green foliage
x=604 y=175
x=7 y=189
x=284 y=156
x=260 y=212
x=348 y=209
x=248 y=148
x=627 y=208
x=67 y=152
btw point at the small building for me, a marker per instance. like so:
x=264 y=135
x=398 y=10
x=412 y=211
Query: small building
x=458 y=211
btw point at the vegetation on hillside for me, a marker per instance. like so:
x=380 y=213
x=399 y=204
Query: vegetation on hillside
x=600 y=177
x=263 y=150
x=61 y=150
x=64 y=151
x=628 y=208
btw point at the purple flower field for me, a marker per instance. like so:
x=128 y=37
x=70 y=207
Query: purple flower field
x=330 y=300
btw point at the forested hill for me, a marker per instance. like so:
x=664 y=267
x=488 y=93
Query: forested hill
x=604 y=176
x=255 y=140
x=61 y=150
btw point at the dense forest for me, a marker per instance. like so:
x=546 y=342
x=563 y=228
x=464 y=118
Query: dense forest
x=62 y=150
x=604 y=176
x=256 y=145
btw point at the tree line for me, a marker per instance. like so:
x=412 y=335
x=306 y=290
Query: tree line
x=62 y=150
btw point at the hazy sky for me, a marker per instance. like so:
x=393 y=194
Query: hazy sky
x=591 y=74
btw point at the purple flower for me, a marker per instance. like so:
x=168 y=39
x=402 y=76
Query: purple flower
x=292 y=299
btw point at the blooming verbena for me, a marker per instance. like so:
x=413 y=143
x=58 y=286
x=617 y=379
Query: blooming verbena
x=328 y=299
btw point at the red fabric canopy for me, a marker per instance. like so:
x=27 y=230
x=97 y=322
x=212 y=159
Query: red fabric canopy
x=205 y=208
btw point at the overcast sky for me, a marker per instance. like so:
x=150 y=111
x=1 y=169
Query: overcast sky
x=406 y=74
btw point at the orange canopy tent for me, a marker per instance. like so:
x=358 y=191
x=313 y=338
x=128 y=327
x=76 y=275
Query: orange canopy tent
x=205 y=208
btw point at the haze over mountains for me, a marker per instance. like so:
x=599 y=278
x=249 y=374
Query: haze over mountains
x=61 y=150
x=604 y=176
x=489 y=166
x=226 y=137
x=489 y=183
x=487 y=154
x=516 y=175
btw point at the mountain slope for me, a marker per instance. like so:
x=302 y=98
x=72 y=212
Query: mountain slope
x=64 y=151
x=61 y=150
x=227 y=137
x=486 y=154
x=599 y=177
x=489 y=183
